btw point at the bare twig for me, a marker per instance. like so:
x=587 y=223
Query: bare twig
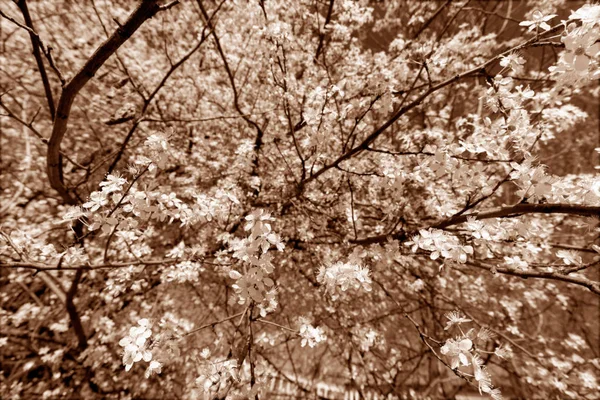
x=213 y=324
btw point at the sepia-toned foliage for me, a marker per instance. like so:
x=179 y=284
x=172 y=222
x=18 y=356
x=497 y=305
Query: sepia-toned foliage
x=211 y=199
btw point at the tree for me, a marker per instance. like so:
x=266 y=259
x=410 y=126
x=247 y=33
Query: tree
x=332 y=199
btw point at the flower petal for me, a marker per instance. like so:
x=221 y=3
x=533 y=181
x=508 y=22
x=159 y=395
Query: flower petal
x=465 y=344
x=569 y=57
x=581 y=62
x=593 y=50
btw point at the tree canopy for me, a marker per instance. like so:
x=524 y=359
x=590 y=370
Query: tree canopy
x=211 y=199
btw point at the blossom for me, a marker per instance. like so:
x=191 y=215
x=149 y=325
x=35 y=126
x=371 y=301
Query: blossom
x=416 y=242
x=205 y=353
x=457 y=350
x=113 y=183
x=258 y=223
x=154 y=368
x=588 y=14
x=135 y=345
x=185 y=271
x=158 y=146
x=513 y=61
x=440 y=244
x=455 y=318
x=478 y=228
x=157 y=142
x=504 y=351
x=569 y=257
x=588 y=379
x=73 y=213
x=516 y=262
x=485 y=334
x=97 y=200
x=539 y=20
x=311 y=335
x=580 y=47
x=344 y=276
x=217 y=375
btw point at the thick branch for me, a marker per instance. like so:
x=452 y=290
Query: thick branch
x=37 y=266
x=146 y=10
x=72 y=311
x=519 y=209
x=501 y=212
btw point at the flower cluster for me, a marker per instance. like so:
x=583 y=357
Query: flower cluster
x=158 y=152
x=310 y=335
x=116 y=208
x=137 y=347
x=513 y=61
x=569 y=257
x=515 y=262
x=461 y=353
x=366 y=338
x=217 y=375
x=479 y=229
x=500 y=96
x=255 y=284
x=458 y=351
x=185 y=271
x=579 y=61
x=344 y=276
x=439 y=243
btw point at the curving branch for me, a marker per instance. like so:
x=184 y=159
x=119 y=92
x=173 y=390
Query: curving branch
x=38 y=266
x=146 y=10
x=592 y=286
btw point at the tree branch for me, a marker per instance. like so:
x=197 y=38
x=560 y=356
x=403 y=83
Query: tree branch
x=72 y=311
x=593 y=286
x=501 y=212
x=146 y=10
x=36 y=44
x=524 y=208
x=148 y=100
x=322 y=32
x=259 y=132
x=403 y=110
